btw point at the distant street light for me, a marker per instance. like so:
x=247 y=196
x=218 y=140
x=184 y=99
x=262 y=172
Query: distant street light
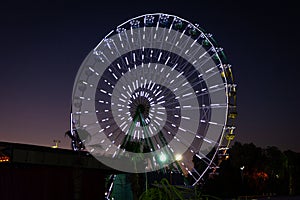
x=242 y=176
x=56 y=143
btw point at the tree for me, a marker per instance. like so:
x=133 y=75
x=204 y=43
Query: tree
x=274 y=166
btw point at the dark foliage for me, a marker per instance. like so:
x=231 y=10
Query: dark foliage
x=253 y=170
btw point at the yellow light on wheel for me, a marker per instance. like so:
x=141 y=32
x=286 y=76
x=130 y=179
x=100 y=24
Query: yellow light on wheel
x=178 y=157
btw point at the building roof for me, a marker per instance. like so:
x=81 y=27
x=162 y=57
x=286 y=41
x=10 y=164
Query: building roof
x=17 y=154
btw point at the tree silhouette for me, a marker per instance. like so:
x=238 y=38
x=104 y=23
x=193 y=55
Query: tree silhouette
x=252 y=170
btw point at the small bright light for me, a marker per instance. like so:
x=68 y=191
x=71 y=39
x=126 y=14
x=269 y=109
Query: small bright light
x=56 y=143
x=242 y=168
x=178 y=157
x=4 y=159
x=162 y=157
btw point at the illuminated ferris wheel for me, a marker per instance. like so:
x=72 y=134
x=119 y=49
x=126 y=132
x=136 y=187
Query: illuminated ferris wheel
x=157 y=91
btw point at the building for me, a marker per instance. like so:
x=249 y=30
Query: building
x=35 y=172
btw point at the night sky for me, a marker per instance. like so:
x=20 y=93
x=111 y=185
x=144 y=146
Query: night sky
x=43 y=43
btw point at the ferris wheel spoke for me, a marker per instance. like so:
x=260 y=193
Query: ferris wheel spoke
x=85 y=125
x=166 y=129
x=162 y=137
x=121 y=65
x=127 y=40
x=183 y=83
x=203 y=157
x=189 y=107
x=202 y=94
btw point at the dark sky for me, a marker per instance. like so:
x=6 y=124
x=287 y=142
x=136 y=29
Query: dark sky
x=43 y=43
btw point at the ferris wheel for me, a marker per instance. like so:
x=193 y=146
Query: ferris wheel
x=157 y=91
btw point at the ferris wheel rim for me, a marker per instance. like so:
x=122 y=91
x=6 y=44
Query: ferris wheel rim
x=211 y=43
